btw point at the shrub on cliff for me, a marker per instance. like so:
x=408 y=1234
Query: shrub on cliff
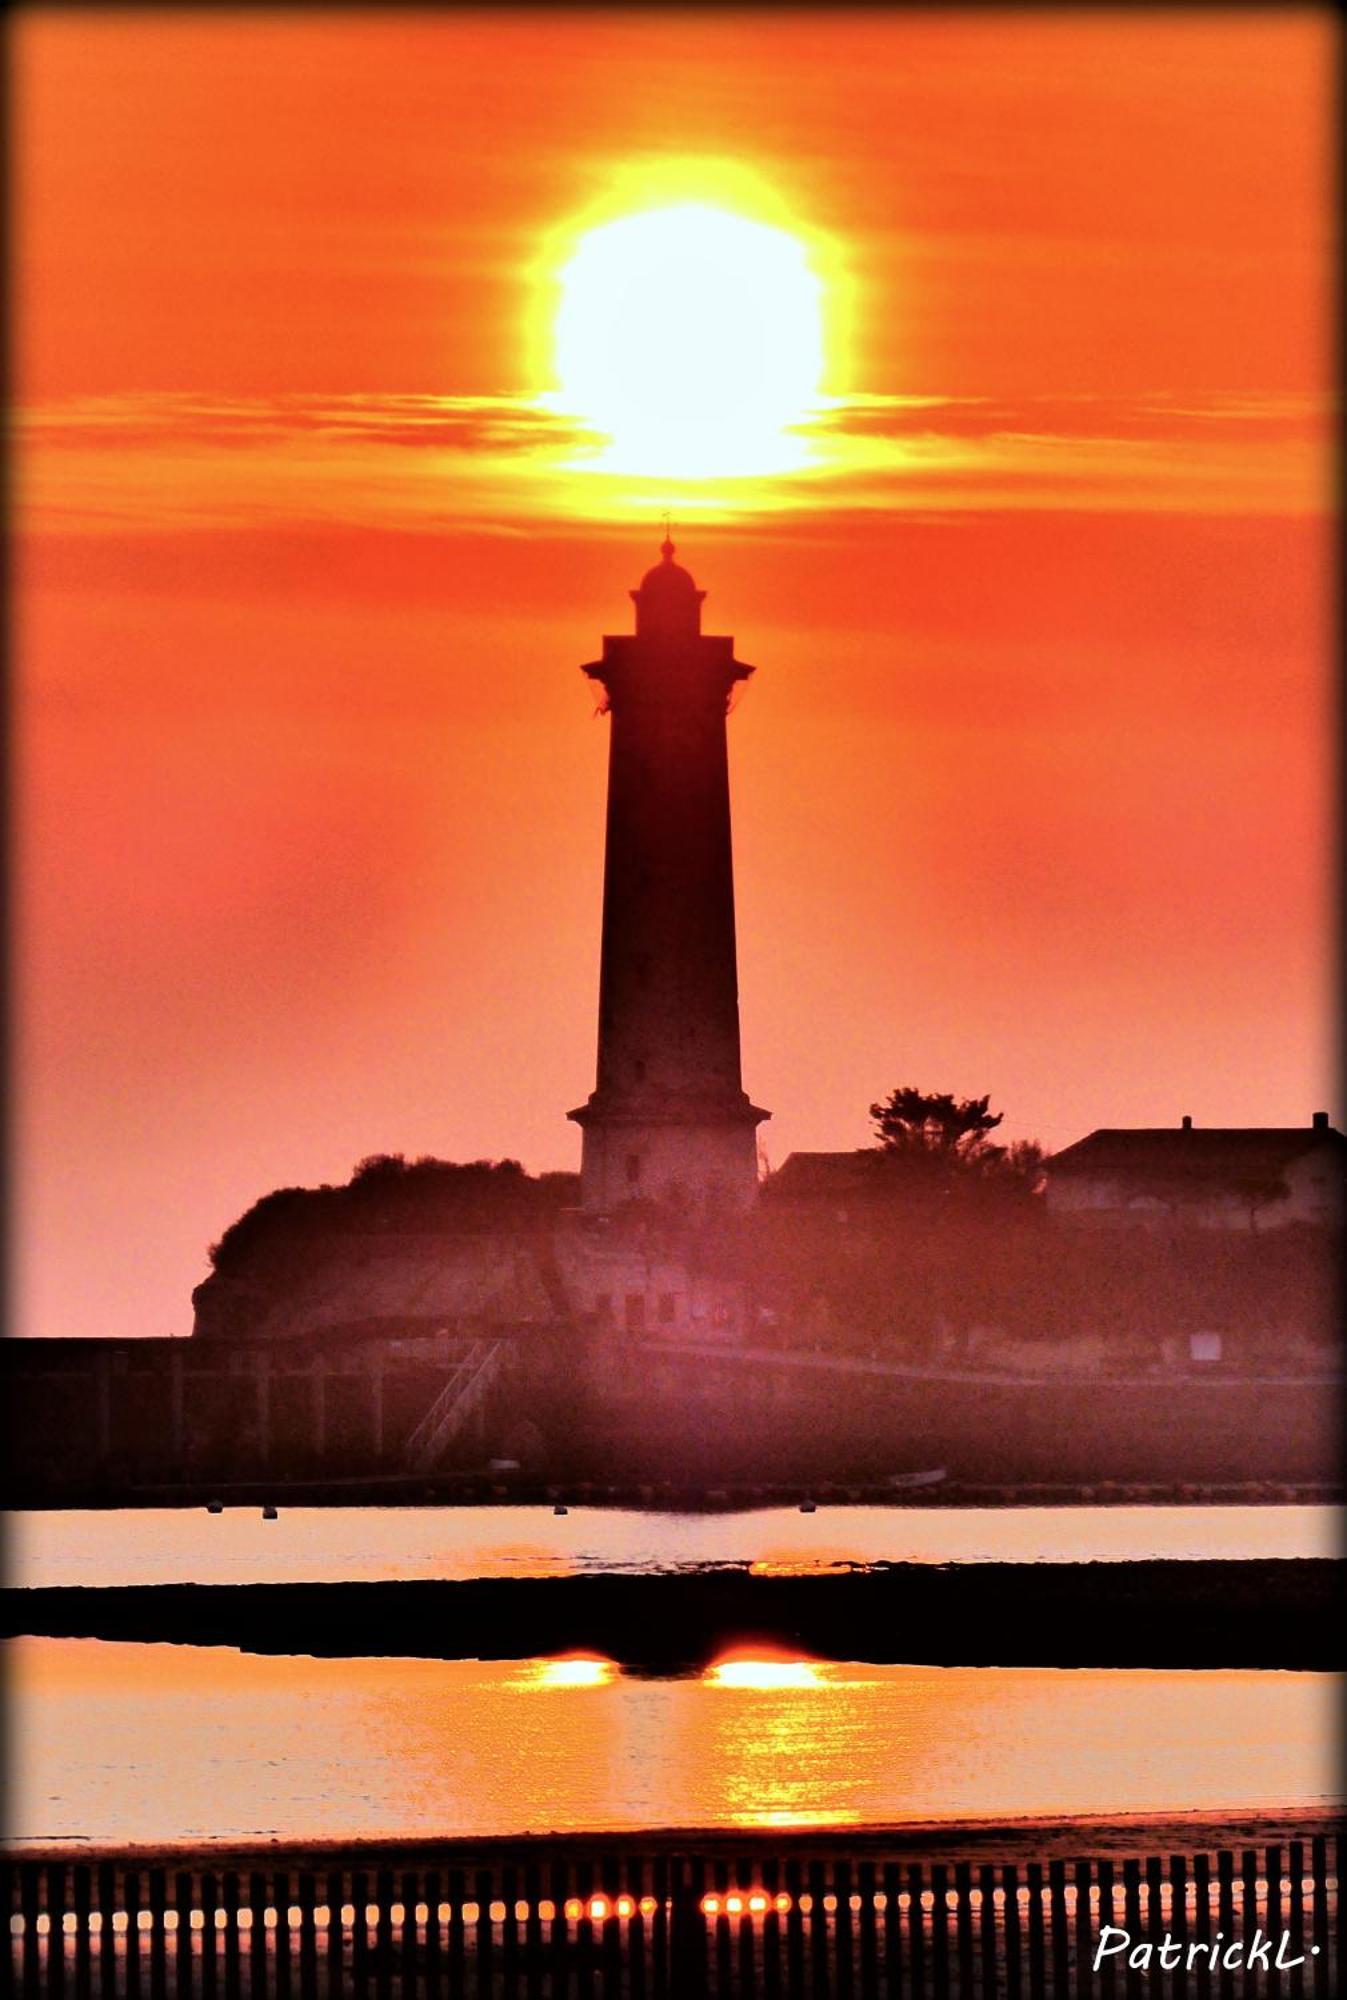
x=389 y=1193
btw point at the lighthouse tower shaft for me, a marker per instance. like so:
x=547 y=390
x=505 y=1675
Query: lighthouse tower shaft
x=668 y=1117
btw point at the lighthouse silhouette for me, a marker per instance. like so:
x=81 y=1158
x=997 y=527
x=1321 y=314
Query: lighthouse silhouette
x=668 y=1118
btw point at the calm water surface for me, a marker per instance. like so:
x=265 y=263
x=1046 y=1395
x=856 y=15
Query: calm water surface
x=374 y=1544
x=145 y=1743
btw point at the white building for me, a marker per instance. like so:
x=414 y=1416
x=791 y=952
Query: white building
x=1255 y=1177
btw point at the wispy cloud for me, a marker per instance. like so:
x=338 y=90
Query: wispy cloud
x=142 y=462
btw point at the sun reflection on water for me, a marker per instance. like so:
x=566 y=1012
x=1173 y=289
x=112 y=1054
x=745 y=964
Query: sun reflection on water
x=572 y=1670
x=772 y=1674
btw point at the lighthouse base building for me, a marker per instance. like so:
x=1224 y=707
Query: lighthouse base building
x=653 y=1151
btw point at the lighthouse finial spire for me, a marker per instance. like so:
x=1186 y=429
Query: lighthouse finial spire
x=666 y=547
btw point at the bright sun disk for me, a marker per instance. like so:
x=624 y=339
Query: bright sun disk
x=693 y=339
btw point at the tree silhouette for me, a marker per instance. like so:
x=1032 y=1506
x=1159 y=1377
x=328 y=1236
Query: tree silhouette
x=939 y=1142
x=935 y=1127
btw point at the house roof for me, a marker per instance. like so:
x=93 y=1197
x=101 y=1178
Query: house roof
x=1213 y=1154
x=825 y=1175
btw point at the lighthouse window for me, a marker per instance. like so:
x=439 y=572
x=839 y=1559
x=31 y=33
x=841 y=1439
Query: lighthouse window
x=633 y=1169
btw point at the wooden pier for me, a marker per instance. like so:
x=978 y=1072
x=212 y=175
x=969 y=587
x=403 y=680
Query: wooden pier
x=1009 y=1913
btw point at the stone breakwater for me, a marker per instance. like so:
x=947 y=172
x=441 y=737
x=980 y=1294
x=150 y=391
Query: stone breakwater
x=1258 y=1613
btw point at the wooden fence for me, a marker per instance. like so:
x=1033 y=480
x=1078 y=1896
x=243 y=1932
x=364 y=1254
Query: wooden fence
x=549 y=1922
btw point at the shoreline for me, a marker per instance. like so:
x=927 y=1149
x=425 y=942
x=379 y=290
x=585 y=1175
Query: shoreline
x=395 y=1490
x=1056 y=1837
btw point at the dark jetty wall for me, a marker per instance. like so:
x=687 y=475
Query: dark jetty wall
x=90 y=1423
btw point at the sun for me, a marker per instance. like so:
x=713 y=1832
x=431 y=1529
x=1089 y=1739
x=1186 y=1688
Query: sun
x=691 y=337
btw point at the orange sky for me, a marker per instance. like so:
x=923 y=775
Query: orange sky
x=1032 y=790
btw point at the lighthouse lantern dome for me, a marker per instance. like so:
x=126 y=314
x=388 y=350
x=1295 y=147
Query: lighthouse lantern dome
x=668 y=602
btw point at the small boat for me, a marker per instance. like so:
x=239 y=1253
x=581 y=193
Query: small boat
x=215 y=1506
x=808 y=1507
x=561 y=1508
x=269 y=1513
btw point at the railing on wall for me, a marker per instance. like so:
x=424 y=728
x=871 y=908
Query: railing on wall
x=549 y=1922
x=462 y=1397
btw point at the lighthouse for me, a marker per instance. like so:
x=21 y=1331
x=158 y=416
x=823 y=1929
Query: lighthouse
x=668 y=1118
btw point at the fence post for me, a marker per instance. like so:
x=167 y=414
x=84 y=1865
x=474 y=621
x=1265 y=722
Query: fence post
x=1010 y=1882
x=318 y=1411
x=103 y=1406
x=1057 y=1918
x=963 y=1923
x=634 y=1876
x=306 y=1896
x=584 y=1931
x=1202 y=1921
x=745 y=1873
x=1272 y=1921
x=842 y=1930
x=360 y=1931
x=1249 y=1901
x=687 y=1933
x=182 y=1956
x=1319 y=1920
x=1225 y=1914
x=484 y=1897
x=819 y=1968
x=53 y=1903
x=1295 y=1866
x=377 y=1413
x=893 y=1931
x=334 y=1891
x=1084 y=1930
x=794 y=1931
x=383 y=1932
x=916 y=1932
x=1108 y=1976
x=81 y=1896
x=210 y=1903
x=231 y=1902
x=865 y=1883
x=509 y=1936
x=257 y=1935
x=158 y=1934
x=533 y=1934
x=177 y=1431
x=32 y=1943
x=659 y=1929
x=1178 y=1878
x=1132 y=1921
x=131 y=1904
